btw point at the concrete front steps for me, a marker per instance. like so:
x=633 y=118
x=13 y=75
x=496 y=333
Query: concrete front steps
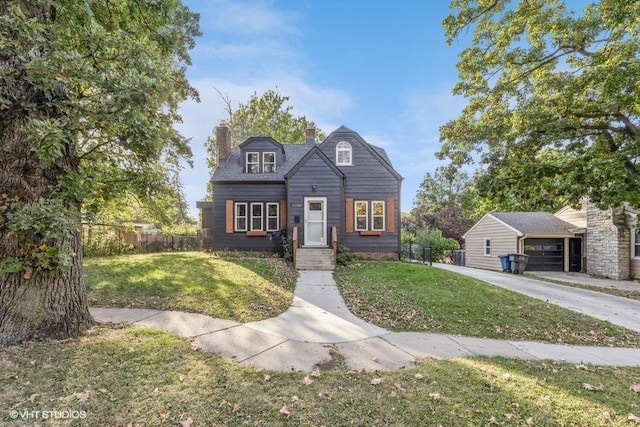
x=314 y=259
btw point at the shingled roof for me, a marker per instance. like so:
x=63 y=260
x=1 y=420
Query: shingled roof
x=534 y=222
x=232 y=168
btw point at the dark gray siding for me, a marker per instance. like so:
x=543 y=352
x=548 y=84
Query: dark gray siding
x=368 y=179
x=243 y=192
x=315 y=171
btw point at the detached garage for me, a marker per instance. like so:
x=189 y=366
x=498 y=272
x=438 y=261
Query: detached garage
x=551 y=243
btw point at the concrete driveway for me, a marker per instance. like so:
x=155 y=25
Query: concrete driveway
x=620 y=311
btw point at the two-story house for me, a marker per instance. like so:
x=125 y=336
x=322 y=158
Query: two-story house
x=341 y=191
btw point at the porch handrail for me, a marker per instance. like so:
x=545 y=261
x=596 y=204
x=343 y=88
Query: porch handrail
x=294 y=245
x=334 y=245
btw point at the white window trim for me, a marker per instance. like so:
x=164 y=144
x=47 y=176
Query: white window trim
x=249 y=164
x=633 y=244
x=265 y=163
x=277 y=216
x=366 y=215
x=347 y=147
x=236 y=216
x=261 y=216
x=383 y=216
x=485 y=247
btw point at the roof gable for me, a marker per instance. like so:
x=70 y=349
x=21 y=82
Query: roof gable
x=314 y=152
x=261 y=143
x=529 y=223
x=343 y=133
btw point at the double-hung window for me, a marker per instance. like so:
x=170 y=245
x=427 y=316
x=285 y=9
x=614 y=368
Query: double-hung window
x=241 y=217
x=268 y=162
x=377 y=216
x=253 y=162
x=362 y=216
x=273 y=217
x=487 y=247
x=256 y=217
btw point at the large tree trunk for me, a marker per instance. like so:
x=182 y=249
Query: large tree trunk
x=45 y=305
x=37 y=301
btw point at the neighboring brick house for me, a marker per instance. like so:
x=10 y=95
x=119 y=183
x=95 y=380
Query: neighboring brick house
x=611 y=240
x=603 y=243
x=342 y=191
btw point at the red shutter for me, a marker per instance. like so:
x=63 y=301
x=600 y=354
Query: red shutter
x=229 y=216
x=283 y=214
x=348 y=205
x=391 y=209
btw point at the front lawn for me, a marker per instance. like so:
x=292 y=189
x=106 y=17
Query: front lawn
x=119 y=376
x=241 y=289
x=414 y=297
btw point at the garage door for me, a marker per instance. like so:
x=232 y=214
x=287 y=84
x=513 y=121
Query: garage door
x=544 y=254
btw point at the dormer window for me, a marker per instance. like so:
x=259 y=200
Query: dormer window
x=258 y=162
x=343 y=154
x=253 y=162
x=268 y=162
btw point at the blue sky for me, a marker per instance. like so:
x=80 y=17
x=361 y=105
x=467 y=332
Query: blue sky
x=381 y=68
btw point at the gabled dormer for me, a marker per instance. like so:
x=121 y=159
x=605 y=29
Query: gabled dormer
x=261 y=154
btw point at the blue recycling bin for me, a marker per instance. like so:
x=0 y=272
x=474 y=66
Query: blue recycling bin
x=505 y=262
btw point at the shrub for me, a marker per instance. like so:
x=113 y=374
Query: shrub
x=344 y=255
x=440 y=245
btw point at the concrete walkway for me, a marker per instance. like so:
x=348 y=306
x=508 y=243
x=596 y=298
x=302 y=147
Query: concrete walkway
x=318 y=326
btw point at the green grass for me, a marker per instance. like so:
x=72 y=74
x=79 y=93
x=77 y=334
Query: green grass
x=241 y=289
x=414 y=297
x=121 y=376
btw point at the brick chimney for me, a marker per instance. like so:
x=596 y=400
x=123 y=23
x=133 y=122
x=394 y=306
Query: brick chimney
x=310 y=135
x=223 y=140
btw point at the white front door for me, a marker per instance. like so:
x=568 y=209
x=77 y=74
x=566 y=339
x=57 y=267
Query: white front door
x=315 y=220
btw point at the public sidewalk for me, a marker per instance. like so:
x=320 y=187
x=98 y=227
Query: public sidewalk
x=318 y=324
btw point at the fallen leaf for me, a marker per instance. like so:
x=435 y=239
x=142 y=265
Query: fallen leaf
x=267 y=377
x=186 y=423
x=376 y=381
x=418 y=376
x=399 y=387
x=632 y=417
x=635 y=387
x=510 y=416
x=285 y=411
x=530 y=421
x=315 y=373
x=33 y=397
x=588 y=386
x=182 y=377
x=83 y=396
x=435 y=396
x=294 y=399
x=374 y=359
x=307 y=381
x=235 y=408
x=493 y=420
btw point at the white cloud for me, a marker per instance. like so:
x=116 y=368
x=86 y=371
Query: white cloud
x=248 y=18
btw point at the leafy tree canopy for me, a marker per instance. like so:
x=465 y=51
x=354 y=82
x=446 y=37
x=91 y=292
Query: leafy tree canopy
x=553 y=106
